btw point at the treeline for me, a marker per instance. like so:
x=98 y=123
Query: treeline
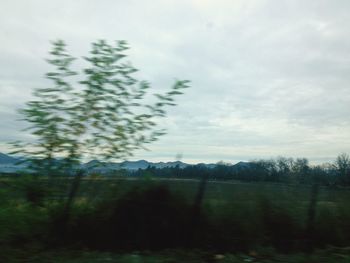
x=281 y=169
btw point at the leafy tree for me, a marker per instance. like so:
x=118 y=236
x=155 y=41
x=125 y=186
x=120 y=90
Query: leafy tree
x=105 y=115
x=342 y=166
x=300 y=167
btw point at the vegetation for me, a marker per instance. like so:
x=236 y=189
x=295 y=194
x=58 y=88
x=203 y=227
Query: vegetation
x=122 y=216
x=105 y=114
x=279 y=170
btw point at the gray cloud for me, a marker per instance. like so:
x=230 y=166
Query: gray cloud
x=268 y=77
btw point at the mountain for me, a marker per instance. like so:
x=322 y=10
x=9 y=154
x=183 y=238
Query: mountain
x=134 y=165
x=5 y=159
x=9 y=164
x=97 y=166
x=208 y=165
x=243 y=166
x=161 y=165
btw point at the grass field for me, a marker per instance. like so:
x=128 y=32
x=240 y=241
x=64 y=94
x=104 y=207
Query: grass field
x=243 y=222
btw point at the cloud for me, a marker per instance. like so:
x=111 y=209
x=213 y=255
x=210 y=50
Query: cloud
x=268 y=77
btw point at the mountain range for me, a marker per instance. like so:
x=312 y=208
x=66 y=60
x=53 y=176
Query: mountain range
x=9 y=164
x=5 y=159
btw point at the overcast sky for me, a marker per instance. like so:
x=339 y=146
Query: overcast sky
x=269 y=78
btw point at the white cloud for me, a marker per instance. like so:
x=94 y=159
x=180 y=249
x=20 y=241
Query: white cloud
x=268 y=77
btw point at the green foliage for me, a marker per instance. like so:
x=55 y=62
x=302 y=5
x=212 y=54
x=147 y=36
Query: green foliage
x=50 y=115
x=131 y=215
x=144 y=217
x=105 y=115
x=34 y=190
x=21 y=224
x=342 y=166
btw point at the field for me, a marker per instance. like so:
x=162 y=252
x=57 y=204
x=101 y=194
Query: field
x=169 y=220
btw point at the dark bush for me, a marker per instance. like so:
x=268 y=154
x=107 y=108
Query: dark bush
x=143 y=218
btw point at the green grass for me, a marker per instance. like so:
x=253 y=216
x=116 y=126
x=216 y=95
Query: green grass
x=239 y=216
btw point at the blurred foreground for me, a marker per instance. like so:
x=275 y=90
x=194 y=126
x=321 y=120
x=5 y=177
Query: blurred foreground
x=171 y=221
x=332 y=255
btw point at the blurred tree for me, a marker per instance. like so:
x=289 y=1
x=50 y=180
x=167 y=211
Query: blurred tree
x=342 y=165
x=106 y=116
x=300 y=166
x=51 y=117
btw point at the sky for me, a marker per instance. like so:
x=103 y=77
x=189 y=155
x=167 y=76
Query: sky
x=268 y=78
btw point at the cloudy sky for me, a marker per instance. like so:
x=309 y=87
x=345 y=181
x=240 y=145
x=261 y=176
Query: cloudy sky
x=269 y=78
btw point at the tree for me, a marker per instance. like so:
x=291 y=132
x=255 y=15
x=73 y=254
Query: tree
x=342 y=166
x=105 y=115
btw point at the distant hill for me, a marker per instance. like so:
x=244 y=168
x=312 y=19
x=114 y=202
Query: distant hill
x=242 y=166
x=9 y=164
x=5 y=159
x=101 y=167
